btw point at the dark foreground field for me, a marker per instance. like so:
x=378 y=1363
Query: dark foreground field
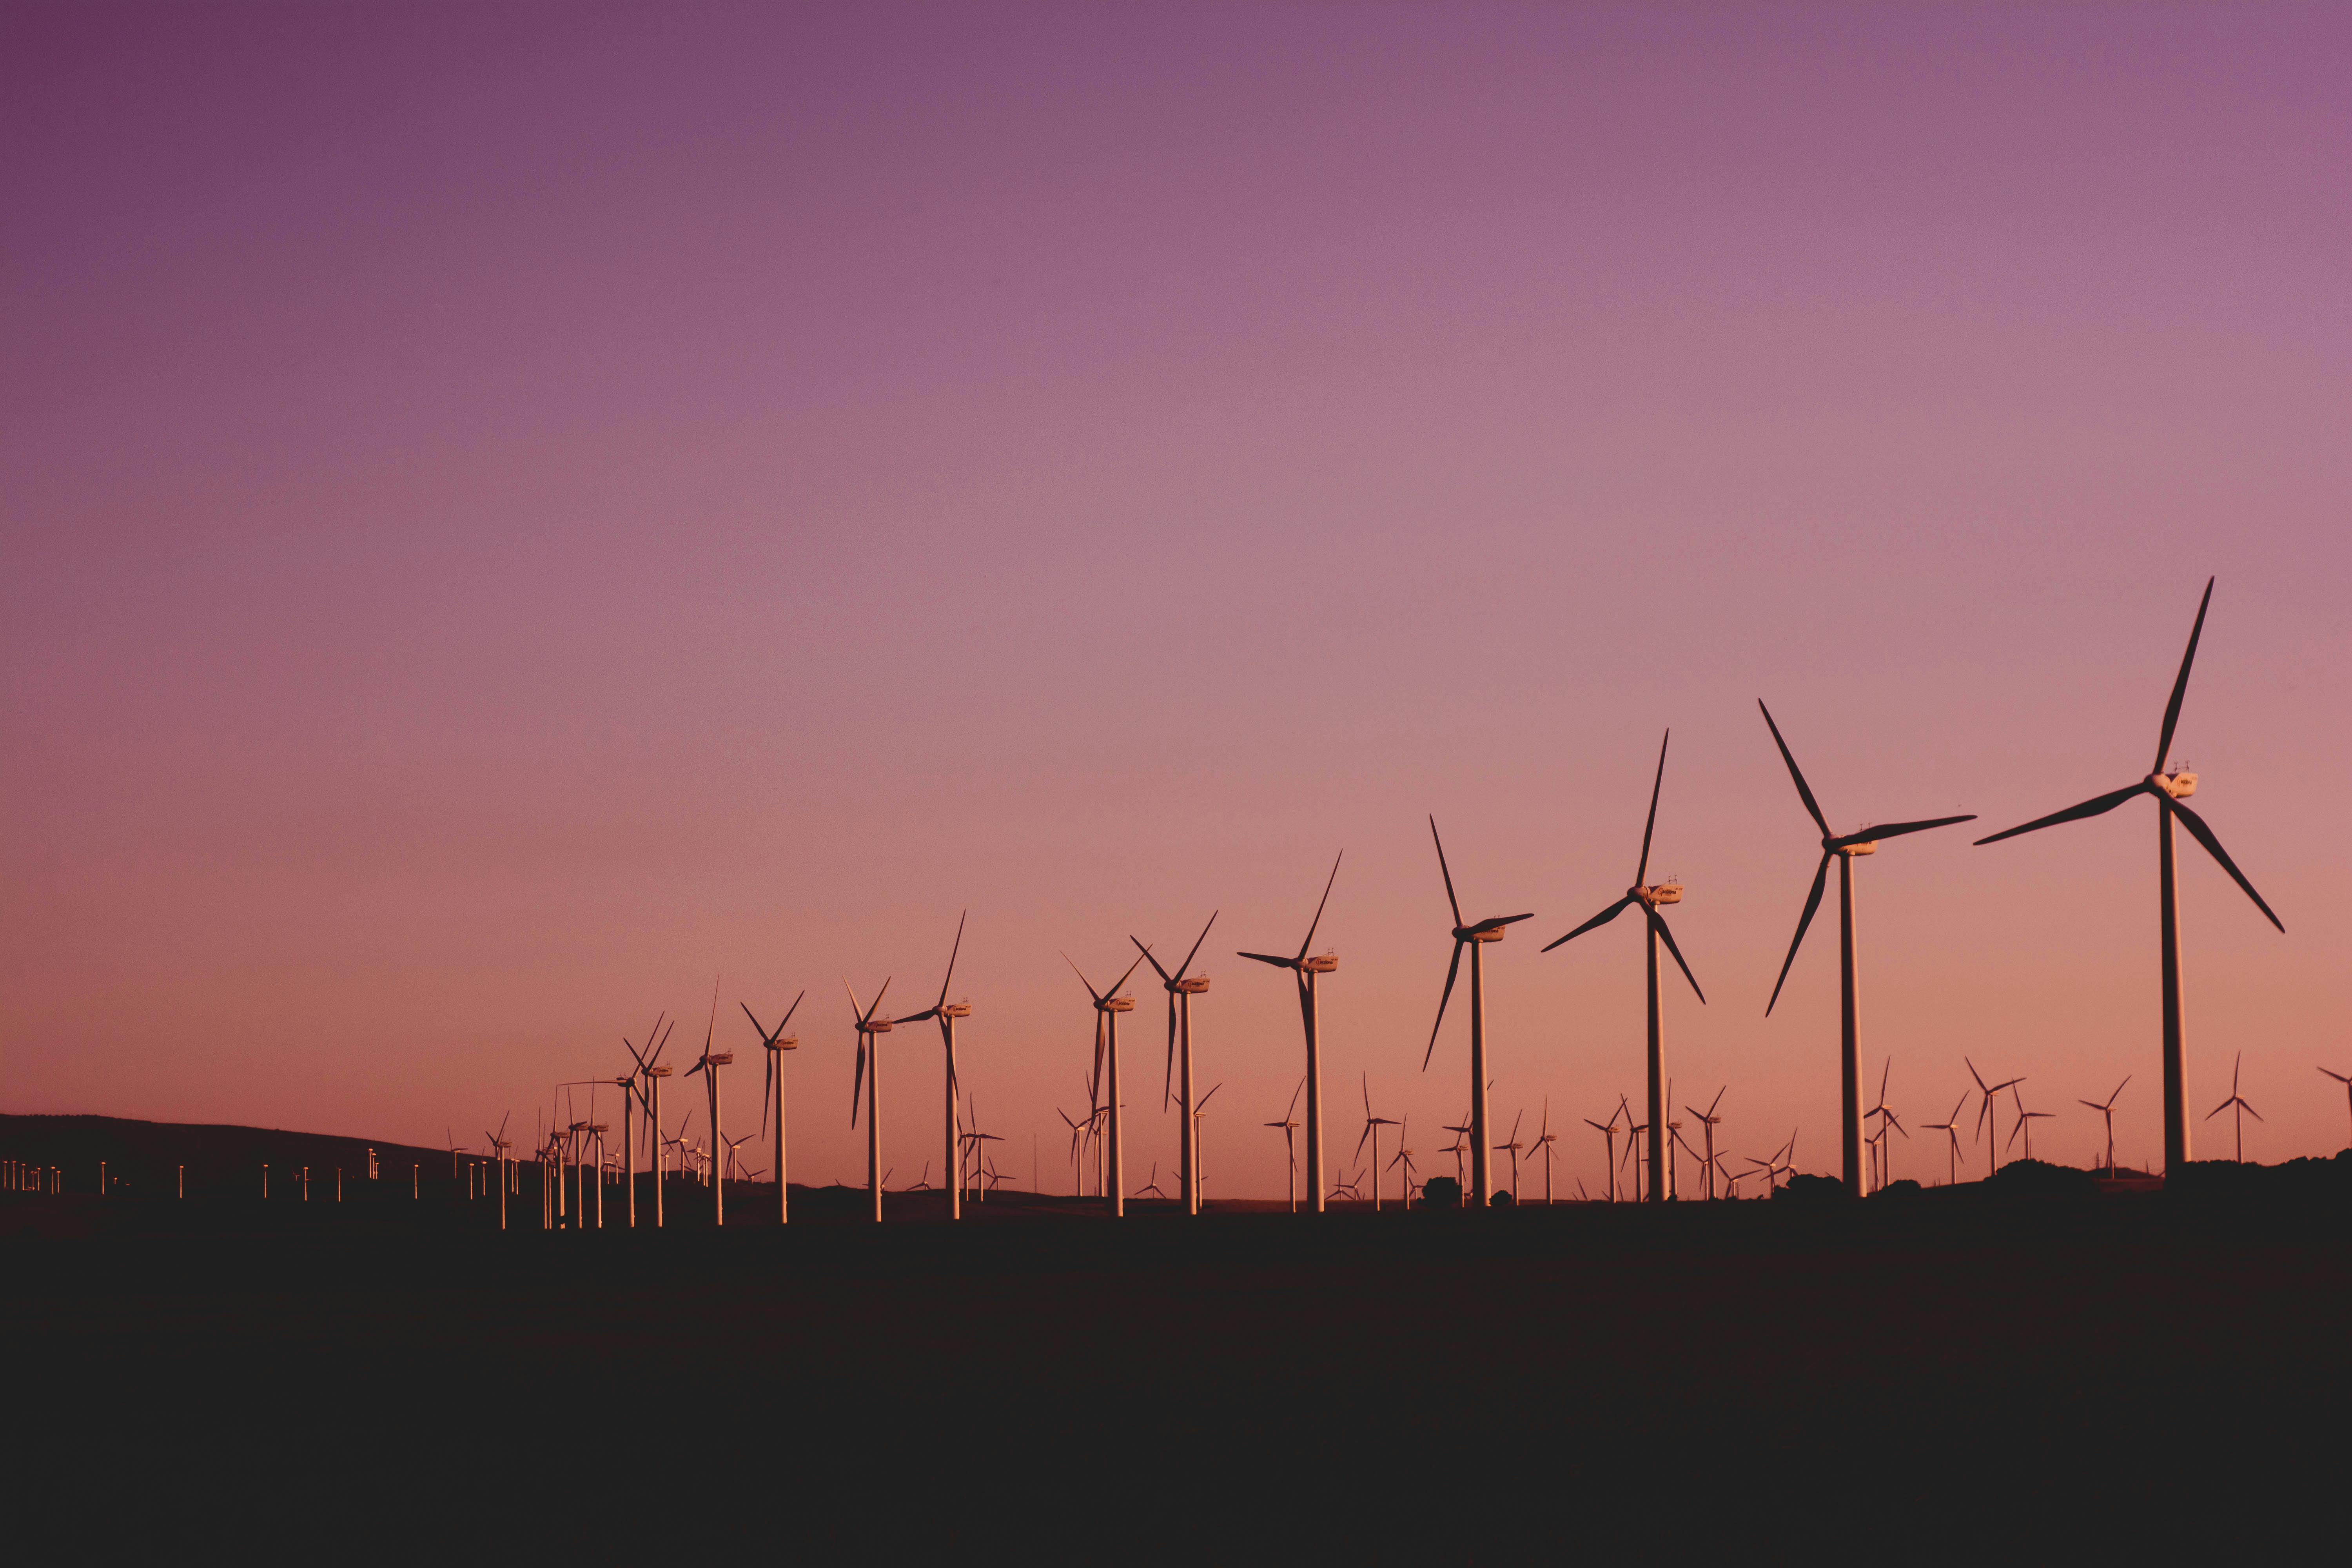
x=1906 y=1379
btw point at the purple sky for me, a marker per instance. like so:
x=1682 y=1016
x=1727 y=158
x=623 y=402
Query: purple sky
x=508 y=511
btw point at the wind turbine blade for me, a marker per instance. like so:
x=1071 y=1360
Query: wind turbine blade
x=2204 y=835
x=951 y=960
x=1168 y=1079
x=1897 y=830
x=1443 y=871
x=1660 y=921
x=790 y=1011
x=1602 y=919
x=1643 y=870
x=1452 y=970
x=1270 y=958
x=1294 y=1100
x=1130 y=970
x=1500 y=922
x=767 y=1091
x=1804 y=791
x=2097 y=806
x=761 y=1028
x=2180 y=683
x=1165 y=977
x=1318 y=908
x=1359 y=1141
x=858 y=1080
x=1186 y=968
x=1812 y=903
x=1081 y=974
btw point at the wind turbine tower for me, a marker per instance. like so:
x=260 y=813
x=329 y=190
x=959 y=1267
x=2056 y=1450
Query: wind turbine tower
x=772 y=1091
x=1108 y=1005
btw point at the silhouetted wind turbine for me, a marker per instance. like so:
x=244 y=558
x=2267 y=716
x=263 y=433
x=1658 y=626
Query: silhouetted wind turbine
x=2236 y=1101
x=1842 y=848
x=708 y=1065
x=1372 y=1125
x=1303 y=970
x=946 y=1013
x=1608 y=1130
x=1474 y=937
x=1888 y=1120
x=1513 y=1145
x=499 y=1147
x=870 y=1071
x=1289 y=1125
x=1403 y=1157
x=1200 y=1155
x=1108 y=1005
x=1649 y=899
x=1181 y=987
x=2169 y=791
x=1709 y=1120
x=1985 y=1113
x=2344 y=1079
x=1950 y=1128
x=633 y=1091
x=2106 y=1109
x=772 y=1092
x=2025 y=1121
x=1545 y=1139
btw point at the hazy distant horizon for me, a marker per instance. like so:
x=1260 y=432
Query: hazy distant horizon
x=512 y=511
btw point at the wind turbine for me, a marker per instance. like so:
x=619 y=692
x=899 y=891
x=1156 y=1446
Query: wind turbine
x=708 y=1065
x=1651 y=897
x=2108 y=1109
x=775 y=1043
x=1985 y=1113
x=1289 y=1125
x=2169 y=790
x=499 y=1147
x=1403 y=1156
x=2346 y=1082
x=1200 y=1157
x=1108 y=1005
x=1303 y=970
x=2025 y=1121
x=1474 y=937
x=1181 y=987
x=1545 y=1139
x=1152 y=1186
x=633 y=1090
x=1372 y=1125
x=1842 y=848
x=1950 y=1127
x=1514 y=1145
x=2236 y=1100
x=1608 y=1130
x=869 y=1070
x=1887 y=1119
x=1710 y=1121
x=946 y=1013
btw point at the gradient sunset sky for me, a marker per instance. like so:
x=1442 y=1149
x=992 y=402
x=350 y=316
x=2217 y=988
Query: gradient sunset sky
x=511 y=512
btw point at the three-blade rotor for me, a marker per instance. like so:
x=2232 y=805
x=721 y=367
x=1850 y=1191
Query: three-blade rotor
x=1464 y=934
x=769 y=1044
x=866 y=1027
x=1174 y=984
x=2158 y=785
x=1641 y=892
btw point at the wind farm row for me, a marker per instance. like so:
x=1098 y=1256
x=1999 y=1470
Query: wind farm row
x=1654 y=1146
x=1645 y=1148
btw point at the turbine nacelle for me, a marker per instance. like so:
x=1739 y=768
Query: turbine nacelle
x=1191 y=986
x=1322 y=964
x=955 y=1010
x=2180 y=785
x=662 y=1071
x=1117 y=1004
x=1667 y=892
x=874 y=1027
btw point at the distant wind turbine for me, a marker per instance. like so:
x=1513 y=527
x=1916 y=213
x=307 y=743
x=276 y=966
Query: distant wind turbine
x=1303 y=970
x=1475 y=937
x=1991 y=1092
x=708 y=1065
x=1108 y=1005
x=1651 y=898
x=1289 y=1125
x=1181 y=987
x=2106 y=1109
x=868 y=1078
x=2236 y=1102
x=775 y=1043
x=2346 y=1081
x=1372 y=1125
x=945 y=1013
x=1842 y=848
x=1950 y=1127
x=2170 y=790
